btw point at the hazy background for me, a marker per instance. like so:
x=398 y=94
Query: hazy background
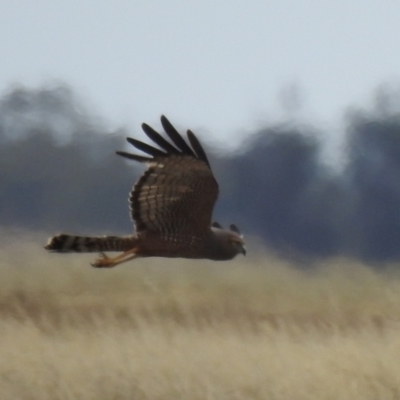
x=297 y=103
x=220 y=66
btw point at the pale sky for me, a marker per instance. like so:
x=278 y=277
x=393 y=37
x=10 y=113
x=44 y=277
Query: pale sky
x=214 y=66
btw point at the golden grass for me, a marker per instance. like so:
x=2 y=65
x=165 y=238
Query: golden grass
x=254 y=328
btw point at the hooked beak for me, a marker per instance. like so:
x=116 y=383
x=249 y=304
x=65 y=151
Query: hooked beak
x=243 y=250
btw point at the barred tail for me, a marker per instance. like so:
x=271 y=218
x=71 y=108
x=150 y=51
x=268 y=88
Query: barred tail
x=80 y=244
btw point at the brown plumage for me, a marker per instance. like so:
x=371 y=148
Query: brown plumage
x=171 y=205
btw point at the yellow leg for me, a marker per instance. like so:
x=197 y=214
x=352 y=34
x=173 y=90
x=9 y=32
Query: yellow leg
x=106 y=262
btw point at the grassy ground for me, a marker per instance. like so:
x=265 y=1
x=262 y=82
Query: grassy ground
x=255 y=328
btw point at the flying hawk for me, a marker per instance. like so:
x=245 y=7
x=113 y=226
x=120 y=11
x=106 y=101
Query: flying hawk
x=171 y=205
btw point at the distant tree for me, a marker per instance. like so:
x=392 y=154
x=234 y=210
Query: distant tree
x=57 y=163
x=374 y=169
x=270 y=183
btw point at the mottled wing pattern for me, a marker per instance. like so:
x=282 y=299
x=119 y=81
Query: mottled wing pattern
x=177 y=193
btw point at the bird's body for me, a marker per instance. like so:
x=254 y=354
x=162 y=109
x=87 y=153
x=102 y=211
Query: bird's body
x=171 y=205
x=147 y=245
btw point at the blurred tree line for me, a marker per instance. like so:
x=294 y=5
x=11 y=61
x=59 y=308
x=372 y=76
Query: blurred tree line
x=59 y=172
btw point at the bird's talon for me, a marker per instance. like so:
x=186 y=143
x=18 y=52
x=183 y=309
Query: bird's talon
x=101 y=262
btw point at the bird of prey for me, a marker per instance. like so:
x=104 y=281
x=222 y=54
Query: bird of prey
x=171 y=206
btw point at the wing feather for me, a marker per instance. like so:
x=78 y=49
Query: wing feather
x=197 y=147
x=146 y=148
x=159 y=140
x=175 y=136
x=134 y=157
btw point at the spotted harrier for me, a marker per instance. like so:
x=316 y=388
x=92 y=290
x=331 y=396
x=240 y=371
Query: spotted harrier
x=171 y=206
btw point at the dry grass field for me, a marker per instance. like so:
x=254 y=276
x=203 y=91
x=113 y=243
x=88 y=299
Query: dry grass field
x=155 y=329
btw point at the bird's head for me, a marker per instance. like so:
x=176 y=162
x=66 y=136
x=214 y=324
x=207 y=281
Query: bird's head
x=231 y=241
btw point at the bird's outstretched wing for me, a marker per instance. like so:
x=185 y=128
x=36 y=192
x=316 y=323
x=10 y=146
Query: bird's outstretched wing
x=177 y=193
